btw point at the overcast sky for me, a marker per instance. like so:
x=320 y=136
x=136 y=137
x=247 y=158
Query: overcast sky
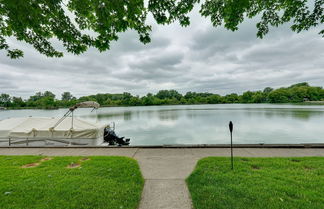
x=196 y=58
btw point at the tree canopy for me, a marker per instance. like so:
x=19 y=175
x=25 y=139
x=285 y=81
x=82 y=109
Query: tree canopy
x=297 y=93
x=80 y=24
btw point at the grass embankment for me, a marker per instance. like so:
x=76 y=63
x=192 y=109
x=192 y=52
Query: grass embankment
x=69 y=182
x=255 y=183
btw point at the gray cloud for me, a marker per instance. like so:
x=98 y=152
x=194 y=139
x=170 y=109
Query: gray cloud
x=196 y=58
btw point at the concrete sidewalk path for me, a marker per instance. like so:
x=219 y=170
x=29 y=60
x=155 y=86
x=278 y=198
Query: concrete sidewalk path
x=165 y=169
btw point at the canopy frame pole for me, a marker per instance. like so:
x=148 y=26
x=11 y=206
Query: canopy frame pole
x=71 y=109
x=61 y=119
x=72 y=121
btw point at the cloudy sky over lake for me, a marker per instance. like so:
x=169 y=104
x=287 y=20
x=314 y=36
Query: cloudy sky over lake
x=196 y=58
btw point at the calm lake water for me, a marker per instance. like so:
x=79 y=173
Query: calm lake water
x=204 y=124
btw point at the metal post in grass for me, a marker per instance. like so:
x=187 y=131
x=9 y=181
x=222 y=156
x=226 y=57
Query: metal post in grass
x=231 y=130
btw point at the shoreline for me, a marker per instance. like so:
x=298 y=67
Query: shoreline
x=315 y=103
x=184 y=146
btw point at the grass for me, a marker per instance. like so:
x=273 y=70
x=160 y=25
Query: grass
x=255 y=183
x=97 y=182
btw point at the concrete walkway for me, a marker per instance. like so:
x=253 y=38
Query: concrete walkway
x=165 y=169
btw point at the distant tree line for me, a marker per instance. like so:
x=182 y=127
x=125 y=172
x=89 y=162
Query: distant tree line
x=296 y=93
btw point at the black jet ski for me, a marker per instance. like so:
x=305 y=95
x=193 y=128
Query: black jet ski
x=111 y=137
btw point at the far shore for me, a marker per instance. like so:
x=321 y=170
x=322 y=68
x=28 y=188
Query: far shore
x=314 y=102
x=56 y=108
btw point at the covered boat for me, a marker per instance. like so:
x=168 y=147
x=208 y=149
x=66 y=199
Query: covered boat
x=51 y=131
x=67 y=130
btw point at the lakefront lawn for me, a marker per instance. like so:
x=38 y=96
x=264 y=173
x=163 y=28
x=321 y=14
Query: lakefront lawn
x=69 y=182
x=255 y=183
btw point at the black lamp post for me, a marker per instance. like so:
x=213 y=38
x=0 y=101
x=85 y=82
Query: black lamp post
x=231 y=130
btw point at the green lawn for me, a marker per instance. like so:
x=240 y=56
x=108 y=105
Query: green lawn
x=258 y=183
x=99 y=182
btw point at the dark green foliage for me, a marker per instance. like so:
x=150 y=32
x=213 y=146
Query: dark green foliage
x=44 y=100
x=231 y=98
x=296 y=93
x=67 y=96
x=81 y=24
x=17 y=102
x=5 y=100
x=305 y=84
x=267 y=90
x=273 y=13
x=255 y=183
x=247 y=97
x=168 y=94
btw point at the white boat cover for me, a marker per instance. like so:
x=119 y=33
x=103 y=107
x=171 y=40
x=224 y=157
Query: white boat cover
x=34 y=127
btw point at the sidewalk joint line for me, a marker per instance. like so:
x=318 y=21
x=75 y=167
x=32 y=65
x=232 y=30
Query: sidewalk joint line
x=135 y=152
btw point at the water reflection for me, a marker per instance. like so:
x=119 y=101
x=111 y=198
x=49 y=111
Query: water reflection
x=300 y=114
x=195 y=124
x=168 y=115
